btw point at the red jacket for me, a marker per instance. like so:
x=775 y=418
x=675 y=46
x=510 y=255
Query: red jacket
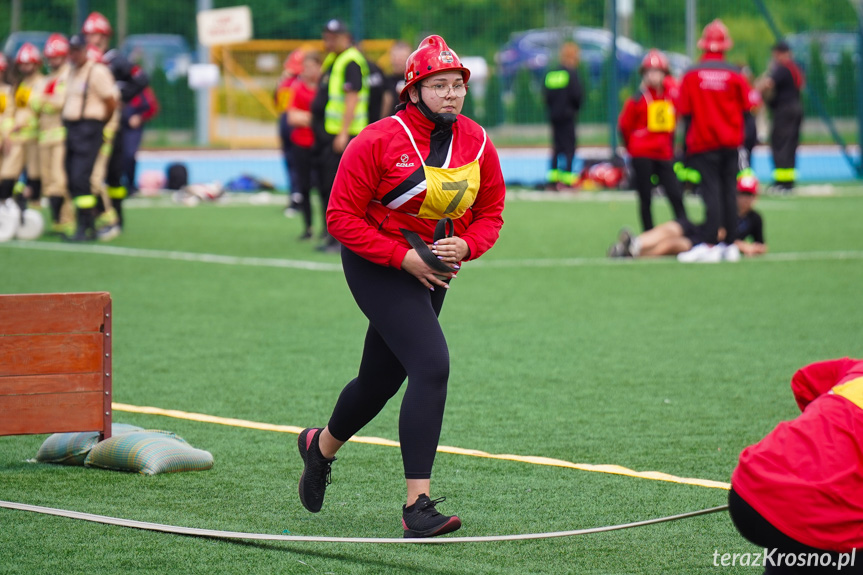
x=640 y=141
x=302 y=136
x=714 y=94
x=379 y=159
x=806 y=476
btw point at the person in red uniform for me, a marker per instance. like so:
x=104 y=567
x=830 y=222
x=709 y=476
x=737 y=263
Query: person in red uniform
x=713 y=98
x=302 y=137
x=400 y=176
x=799 y=491
x=647 y=125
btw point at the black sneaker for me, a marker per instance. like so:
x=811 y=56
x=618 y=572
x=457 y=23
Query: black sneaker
x=316 y=473
x=422 y=519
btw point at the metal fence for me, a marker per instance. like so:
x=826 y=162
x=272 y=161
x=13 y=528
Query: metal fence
x=514 y=40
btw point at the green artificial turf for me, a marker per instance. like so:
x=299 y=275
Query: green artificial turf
x=556 y=351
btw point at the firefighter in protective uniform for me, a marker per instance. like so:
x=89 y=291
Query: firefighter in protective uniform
x=107 y=216
x=131 y=81
x=563 y=94
x=47 y=103
x=90 y=103
x=21 y=130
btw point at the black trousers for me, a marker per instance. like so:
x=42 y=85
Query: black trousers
x=718 y=169
x=305 y=167
x=785 y=136
x=83 y=141
x=328 y=164
x=404 y=339
x=563 y=144
x=644 y=169
x=757 y=530
x=114 y=173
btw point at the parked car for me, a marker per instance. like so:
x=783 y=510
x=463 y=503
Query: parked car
x=18 y=39
x=536 y=49
x=171 y=52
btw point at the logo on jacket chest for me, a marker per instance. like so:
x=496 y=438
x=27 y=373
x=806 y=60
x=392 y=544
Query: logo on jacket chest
x=403 y=162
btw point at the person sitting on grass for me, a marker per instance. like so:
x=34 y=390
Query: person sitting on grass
x=679 y=236
x=798 y=493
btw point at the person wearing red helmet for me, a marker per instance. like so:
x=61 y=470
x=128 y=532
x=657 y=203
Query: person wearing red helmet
x=131 y=81
x=678 y=236
x=21 y=129
x=563 y=94
x=47 y=103
x=416 y=194
x=90 y=102
x=647 y=125
x=714 y=95
x=798 y=492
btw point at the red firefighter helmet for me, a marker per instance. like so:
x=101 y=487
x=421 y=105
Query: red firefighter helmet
x=431 y=57
x=747 y=183
x=28 y=54
x=715 y=38
x=294 y=62
x=94 y=53
x=96 y=24
x=56 y=46
x=654 y=59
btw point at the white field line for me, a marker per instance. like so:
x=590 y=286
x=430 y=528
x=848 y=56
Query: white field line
x=97 y=249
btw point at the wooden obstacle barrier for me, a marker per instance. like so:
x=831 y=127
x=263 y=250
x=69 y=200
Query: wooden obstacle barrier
x=55 y=363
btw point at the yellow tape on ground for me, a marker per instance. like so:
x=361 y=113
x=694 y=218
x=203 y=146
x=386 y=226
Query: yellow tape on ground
x=532 y=459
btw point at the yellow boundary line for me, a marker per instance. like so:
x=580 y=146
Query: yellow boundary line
x=532 y=459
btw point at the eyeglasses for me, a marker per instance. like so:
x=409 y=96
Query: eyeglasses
x=442 y=90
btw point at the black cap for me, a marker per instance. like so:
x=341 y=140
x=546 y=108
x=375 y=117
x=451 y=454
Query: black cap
x=77 y=41
x=781 y=46
x=335 y=26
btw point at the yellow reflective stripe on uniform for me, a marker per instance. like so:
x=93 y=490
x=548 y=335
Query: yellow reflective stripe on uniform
x=334 y=112
x=52 y=135
x=557 y=79
x=85 y=202
x=851 y=390
x=117 y=192
x=782 y=175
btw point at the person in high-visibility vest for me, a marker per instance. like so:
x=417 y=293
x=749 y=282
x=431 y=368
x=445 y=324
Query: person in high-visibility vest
x=22 y=130
x=47 y=102
x=340 y=107
x=563 y=95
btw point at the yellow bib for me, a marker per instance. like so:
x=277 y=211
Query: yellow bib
x=22 y=96
x=851 y=390
x=449 y=191
x=660 y=116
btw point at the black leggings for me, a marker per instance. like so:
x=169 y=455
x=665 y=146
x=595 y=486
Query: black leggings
x=644 y=169
x=756 y=529
x=404 y=339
